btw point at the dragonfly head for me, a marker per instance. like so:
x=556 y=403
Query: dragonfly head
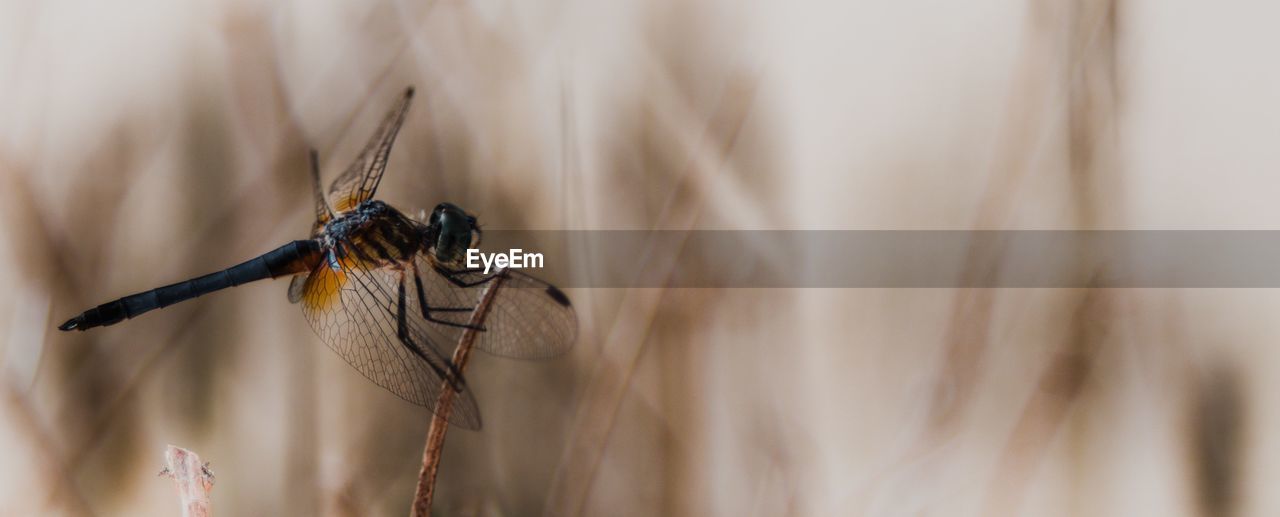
x=450 y=230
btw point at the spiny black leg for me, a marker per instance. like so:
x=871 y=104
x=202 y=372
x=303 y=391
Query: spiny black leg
x=402 y=324
x=422 y=300
x=452 y=375
x=427 y=310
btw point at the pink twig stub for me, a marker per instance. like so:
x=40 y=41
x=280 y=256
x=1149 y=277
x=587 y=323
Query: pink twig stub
x=193 y=479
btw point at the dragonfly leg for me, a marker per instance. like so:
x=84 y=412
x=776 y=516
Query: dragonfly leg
x=402 y=330
x=427 y=309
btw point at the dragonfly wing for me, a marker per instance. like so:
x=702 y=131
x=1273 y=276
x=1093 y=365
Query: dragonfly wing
x=298 y=288
x=355 y=310
x=529 y=318
x=323 y=213
x=359 y=182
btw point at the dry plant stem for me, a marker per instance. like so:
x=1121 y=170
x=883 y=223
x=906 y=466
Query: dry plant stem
x=1091 y=32
x=423 y=496
x=597 y=414
x=194 y=482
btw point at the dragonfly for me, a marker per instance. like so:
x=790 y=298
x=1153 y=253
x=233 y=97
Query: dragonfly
x=387 y=292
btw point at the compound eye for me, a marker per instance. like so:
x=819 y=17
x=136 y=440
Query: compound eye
x=436 y=215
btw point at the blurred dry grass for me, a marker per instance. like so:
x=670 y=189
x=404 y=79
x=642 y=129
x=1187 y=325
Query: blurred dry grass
x=147 y=142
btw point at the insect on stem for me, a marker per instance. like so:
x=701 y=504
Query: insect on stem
x=440 y=420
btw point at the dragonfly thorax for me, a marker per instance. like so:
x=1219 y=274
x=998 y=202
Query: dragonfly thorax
x=373 y=232
x=352 y=222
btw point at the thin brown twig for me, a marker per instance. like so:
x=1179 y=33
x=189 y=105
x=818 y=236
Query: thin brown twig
x=444 y=405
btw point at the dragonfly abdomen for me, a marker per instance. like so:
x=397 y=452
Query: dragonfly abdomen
x=294 y=257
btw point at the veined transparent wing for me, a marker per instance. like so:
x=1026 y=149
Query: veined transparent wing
x=360 y=181
x=360 y=313
x=529 y=318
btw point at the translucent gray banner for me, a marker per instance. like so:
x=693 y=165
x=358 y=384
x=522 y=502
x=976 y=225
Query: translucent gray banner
x=727 y=259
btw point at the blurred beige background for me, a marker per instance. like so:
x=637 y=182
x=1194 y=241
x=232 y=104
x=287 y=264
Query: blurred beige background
x=146 y=142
